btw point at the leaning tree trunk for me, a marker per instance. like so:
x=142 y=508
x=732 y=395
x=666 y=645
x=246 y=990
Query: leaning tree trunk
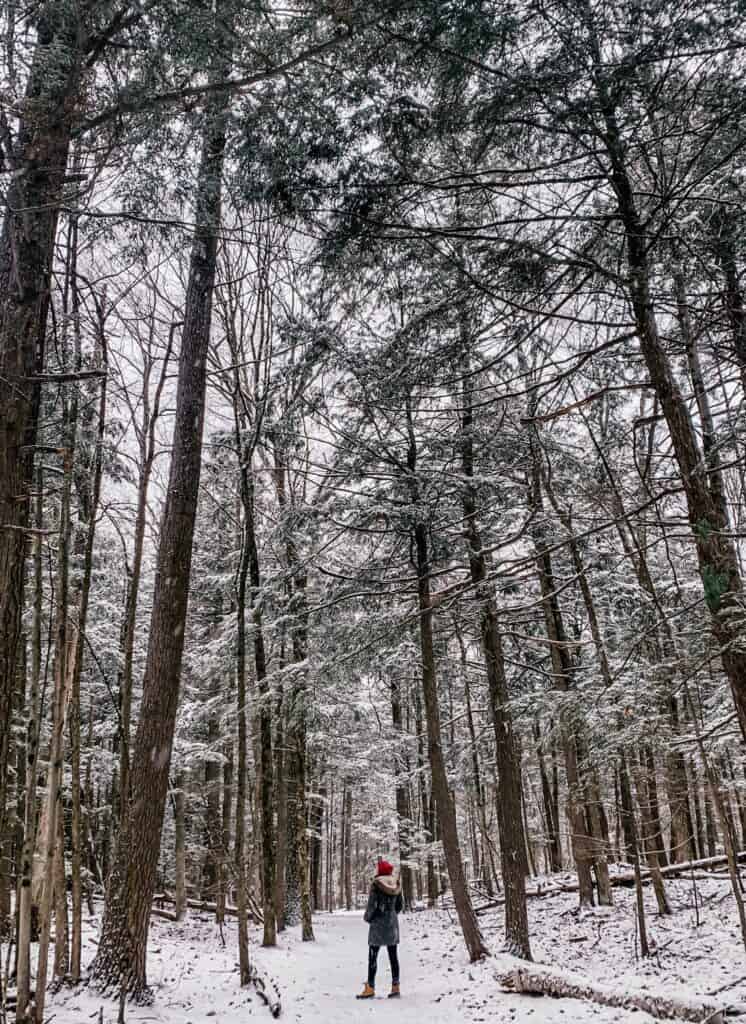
x=120 y=960
x=38 y=162
x=708 y=516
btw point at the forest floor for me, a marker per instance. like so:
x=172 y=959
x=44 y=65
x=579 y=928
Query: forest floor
x=194 y=974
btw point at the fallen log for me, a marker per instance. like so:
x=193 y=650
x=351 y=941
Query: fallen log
x=535 y=979
x=267 y=992
x=685 y=867
x=625 y=878
x=255 y=912
x=167 y=915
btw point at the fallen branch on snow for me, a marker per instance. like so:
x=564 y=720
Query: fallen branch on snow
x=267 y=992
x=534 y=979
x=627 y=878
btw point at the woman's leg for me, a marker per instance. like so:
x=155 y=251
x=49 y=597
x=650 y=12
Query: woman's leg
x=372 y=964
x=394 y=961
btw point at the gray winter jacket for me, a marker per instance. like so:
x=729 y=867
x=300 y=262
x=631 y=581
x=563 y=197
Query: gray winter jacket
x=384 y=903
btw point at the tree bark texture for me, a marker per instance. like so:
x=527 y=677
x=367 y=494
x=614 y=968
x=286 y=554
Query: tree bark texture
x=39 y=162
x=440 y=789
x=122 y=950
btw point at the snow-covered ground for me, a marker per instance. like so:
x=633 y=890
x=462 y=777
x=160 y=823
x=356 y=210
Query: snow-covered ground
x=195 y=977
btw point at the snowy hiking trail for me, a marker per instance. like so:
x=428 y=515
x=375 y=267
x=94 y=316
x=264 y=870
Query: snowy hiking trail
x=195 y=977
x=195 y=980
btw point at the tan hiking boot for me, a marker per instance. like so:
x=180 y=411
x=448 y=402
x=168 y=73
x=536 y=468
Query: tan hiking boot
x=367 y=993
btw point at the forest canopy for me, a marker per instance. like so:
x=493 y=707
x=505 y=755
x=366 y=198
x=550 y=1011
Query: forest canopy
x=372 y=470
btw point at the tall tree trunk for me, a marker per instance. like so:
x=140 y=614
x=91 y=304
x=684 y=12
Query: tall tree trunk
x=38 y=162
x=266 y=782
x=150 y=416
x=180 y=895
x=510 y=823
x=580 y=840
x=552 y=825
x=121 y=957
x=348 y=851
x=227 y=815
x=403 y=808
x=61 y=923
x=91 y=505
x=296 y=728
x=285 y=831
x=723 y=241
x=342 y=842
x=441 y=792
x=648 y=836
x=33 y=726
x=63 y=660
x=707 y=511
x=242 y=751
x=212 y=819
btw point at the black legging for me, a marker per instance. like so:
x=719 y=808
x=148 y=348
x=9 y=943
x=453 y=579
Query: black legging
x=373 y=963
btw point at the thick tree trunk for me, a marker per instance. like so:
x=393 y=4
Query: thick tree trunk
x=38 y=163
x=121 y=957
x=147 y=438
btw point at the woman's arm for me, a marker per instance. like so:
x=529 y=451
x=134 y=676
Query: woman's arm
x=368 y=915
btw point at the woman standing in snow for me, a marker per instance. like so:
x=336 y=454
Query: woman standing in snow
x=384 y=904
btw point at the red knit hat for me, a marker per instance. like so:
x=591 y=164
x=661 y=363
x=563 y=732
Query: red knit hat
x=384 y=868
